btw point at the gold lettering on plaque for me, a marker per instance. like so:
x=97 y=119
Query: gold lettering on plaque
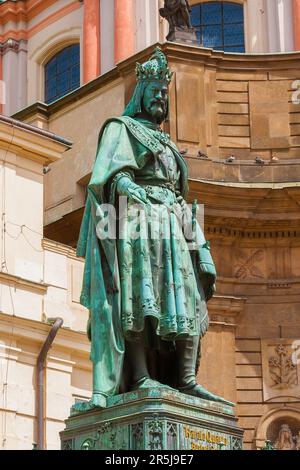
x=205 y=440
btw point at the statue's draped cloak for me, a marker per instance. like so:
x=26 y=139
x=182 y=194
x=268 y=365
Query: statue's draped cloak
x=124 y=145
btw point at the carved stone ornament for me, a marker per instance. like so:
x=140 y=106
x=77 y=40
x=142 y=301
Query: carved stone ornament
x=67 y=445
x=137 y=433
x=246 y=267
x=89 y=443
x=10 y=44
x=281 y=369
x=155 y=434
x=172 y=433
x=237 y=443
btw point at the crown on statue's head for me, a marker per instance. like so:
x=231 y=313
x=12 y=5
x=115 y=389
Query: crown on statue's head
x=156 y=68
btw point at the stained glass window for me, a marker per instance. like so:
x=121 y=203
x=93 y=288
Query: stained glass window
x=219 y=25
x=62 y=73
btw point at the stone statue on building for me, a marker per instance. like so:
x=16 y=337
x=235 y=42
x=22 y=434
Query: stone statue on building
x=146 y=292
x=177 y=13
x=285 y=439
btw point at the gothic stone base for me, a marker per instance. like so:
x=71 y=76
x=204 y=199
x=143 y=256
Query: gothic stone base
x=184 y=36
x=154 y=419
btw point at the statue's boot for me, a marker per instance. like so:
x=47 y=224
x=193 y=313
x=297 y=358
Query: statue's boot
x=136 y=356
x=187 y=351
x=147 y=382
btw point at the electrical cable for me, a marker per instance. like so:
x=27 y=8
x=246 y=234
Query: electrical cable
x=21 y=233
x=4 y=267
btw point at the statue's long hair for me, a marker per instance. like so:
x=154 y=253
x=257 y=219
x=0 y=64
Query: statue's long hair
x=135 y=105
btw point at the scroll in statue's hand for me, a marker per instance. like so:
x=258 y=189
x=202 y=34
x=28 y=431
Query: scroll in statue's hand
x=126 y=187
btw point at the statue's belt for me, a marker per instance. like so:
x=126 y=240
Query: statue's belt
x=165 y=193
x=148 y=184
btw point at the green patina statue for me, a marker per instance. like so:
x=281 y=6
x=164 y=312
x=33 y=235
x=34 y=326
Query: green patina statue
x=146 y=294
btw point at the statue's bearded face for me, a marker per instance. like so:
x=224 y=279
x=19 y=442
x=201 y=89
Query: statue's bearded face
x=155 y=101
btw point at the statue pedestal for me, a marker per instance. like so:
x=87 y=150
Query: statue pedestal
x=154 y=419
x=184 y=36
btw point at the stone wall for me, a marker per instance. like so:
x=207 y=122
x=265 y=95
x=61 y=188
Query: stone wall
x=39 y=280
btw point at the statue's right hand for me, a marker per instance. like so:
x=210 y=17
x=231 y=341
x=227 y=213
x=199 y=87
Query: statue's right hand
x=126 y=187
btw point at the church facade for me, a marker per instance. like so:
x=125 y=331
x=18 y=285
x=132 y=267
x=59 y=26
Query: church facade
x=66 y=67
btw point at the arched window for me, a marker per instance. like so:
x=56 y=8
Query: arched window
x=62 y=73
x=219 y=25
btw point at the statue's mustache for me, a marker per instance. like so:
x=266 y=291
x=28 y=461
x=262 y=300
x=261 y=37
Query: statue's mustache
x=161 y=102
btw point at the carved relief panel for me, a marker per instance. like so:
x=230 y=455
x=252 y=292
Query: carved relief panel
x=249 y=263
x=281 y=369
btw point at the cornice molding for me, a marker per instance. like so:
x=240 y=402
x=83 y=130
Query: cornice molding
x=37 y=108
x=60 y=248
x=31 y=142
x=71 y=98
x=231 y=228
x=174 y=52
x=266 y=283
x=224 y=310
x=36 y=332
x=249 y=210
x=13 y=11
x=39 y=287
x=15 y=35
x=226 y=60
x=22 y=10
x=244 y=173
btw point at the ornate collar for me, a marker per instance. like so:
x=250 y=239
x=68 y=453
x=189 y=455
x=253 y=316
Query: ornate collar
x=158 y=133
x=162 y=136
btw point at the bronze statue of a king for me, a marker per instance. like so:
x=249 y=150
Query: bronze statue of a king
x=146 y=286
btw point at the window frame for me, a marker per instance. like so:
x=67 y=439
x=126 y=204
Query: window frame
x=50 y=58
x=223 y=47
